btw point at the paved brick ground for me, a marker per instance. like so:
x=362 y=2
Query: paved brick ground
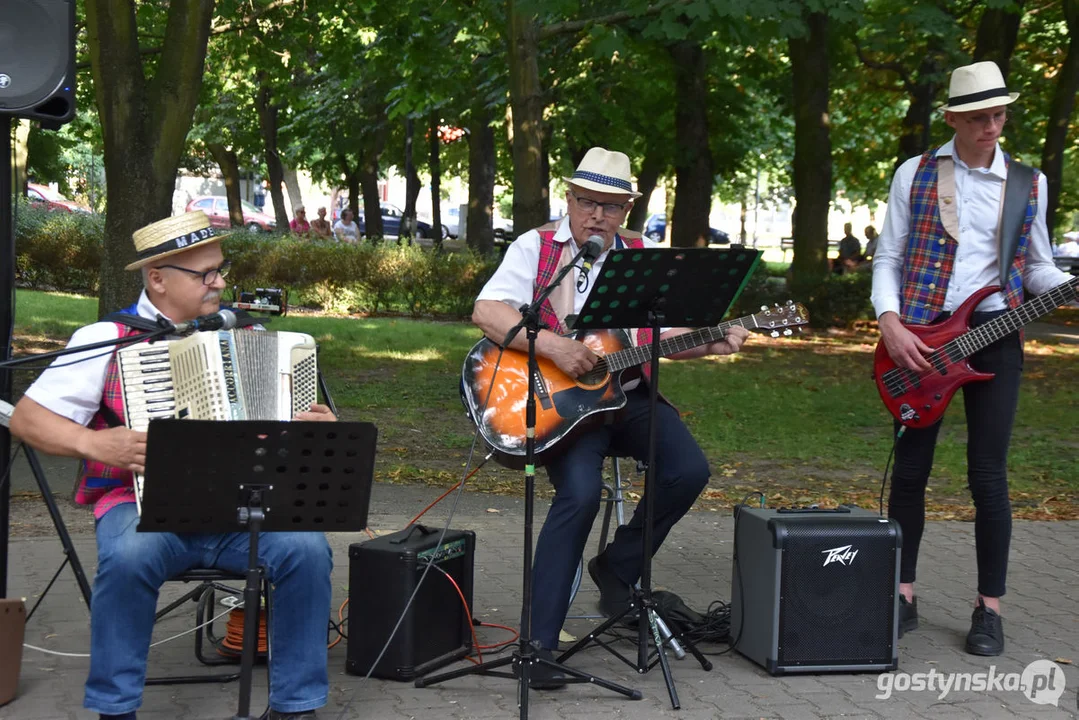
x=1042 y=622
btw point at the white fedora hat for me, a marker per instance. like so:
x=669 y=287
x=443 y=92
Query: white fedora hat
x=976 y=87
x=171 y=236
x=604 y=171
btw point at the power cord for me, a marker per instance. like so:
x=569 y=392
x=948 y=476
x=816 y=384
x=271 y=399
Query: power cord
x=884 y=480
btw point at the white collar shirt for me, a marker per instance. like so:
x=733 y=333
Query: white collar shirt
x=978 y=198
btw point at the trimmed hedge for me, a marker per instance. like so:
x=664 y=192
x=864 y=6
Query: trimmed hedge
x=57 y=250
x=839 y=300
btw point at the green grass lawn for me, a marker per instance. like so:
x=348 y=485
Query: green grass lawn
x=797 y=418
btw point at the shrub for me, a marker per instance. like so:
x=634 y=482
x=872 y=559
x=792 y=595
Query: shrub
x=56 y=250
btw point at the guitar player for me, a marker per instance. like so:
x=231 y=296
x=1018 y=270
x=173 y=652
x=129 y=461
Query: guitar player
x=940 y=244
x=599 y=196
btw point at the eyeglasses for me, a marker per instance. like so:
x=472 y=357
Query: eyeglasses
x=209 y=277
x=984 y=119
x=609 y=209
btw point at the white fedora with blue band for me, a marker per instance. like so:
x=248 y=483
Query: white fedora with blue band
x=976 y=87
x=604 y=171
x=170 y=236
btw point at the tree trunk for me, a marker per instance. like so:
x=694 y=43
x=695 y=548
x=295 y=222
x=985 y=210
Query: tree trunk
x=292 y=184
x=436 y=181
x=997 y=34
x=812 y=153
x=22 y=145
x=408 y=222
x=144 y=124
x=267 y=112
x=230 y=170
x=1060 y=112
x=531 y=204
x=651 y=168
x=479 y=225
x=693 y=158
x=372 y=204
x=914 y=137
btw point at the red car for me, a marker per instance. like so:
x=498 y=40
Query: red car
x=217 y=208
x=51 y=199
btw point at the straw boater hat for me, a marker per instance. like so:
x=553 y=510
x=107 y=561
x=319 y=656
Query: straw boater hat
x=604 y=171
x=170 y=236
x=976 y=87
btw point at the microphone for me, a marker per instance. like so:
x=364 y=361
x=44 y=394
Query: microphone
x=220 y=320
x=592 y=249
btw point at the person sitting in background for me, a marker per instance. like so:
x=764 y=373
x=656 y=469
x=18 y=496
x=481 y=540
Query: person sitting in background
x=320 y=226
x=345 y=230
x=850 y=252
x=299 y=224
x=870 y=242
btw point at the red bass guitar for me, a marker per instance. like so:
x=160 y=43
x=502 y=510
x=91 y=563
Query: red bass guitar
x=918 y=399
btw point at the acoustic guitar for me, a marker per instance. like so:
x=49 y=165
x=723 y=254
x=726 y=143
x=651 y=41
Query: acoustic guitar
x=563 y=403
x=918 y=399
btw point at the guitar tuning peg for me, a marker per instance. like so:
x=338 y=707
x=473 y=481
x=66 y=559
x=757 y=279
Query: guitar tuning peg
x=788 y=332
x=774 y=333
x=764 y=307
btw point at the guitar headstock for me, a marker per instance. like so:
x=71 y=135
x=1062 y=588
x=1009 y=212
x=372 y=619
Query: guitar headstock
x=781 y=319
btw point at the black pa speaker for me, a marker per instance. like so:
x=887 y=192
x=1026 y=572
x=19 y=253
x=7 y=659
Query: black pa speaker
x=37 y=60
x=816 y=590
x=383 y=574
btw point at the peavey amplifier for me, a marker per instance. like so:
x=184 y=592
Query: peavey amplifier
x=12 y=630
x=816 y=590
x=382 y=575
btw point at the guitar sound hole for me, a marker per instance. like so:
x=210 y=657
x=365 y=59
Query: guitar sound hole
x=592 y=377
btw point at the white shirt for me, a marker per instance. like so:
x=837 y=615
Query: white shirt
x=514 y=281
x=346 y=233
x=72 y=386
x=978 y=197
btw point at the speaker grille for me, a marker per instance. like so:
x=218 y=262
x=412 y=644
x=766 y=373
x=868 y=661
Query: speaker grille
x=35 y=53
x=836 y=593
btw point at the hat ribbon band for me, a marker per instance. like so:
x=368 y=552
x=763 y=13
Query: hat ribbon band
x=177 y=243
x=975 y=97
x=603 y=180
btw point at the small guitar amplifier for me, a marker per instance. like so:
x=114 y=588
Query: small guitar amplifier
x=12 y=631
x=816 y=590
x=383 y=574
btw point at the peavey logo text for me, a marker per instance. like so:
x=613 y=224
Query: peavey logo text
x=842 y=555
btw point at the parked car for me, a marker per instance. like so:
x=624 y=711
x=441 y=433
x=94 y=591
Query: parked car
x=391 y=223
x=217 y=208
x=43 y=195
x=451 y=220
x=655 y=228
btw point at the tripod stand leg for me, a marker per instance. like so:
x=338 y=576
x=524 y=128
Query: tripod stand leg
x=657 y=638
x=58 y=521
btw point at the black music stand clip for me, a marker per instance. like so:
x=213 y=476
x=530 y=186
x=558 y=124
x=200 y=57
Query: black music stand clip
x=657 y=287
x=255 y=476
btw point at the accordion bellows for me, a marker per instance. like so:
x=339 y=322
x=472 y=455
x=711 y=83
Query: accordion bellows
x=224 y=375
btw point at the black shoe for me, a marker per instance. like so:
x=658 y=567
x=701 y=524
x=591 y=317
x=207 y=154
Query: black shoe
x=305 y=715
x=986 y=636
x=908 y=615
x=540 y=676
x=615 y=597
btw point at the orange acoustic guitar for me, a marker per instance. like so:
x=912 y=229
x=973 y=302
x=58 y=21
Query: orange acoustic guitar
x=564 y=402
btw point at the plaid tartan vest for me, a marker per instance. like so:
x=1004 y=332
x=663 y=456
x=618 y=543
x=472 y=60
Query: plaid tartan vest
x=930 y=256
x=550 y=252
x=100 y=485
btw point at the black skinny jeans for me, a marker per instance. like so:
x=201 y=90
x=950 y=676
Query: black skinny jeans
x=990 y=408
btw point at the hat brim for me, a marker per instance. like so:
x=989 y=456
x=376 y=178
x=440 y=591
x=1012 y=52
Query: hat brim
x=981 y=104
x=138 y=264
x=600 y=187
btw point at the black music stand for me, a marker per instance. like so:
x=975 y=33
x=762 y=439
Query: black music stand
x=655 y=288
x=254 y=476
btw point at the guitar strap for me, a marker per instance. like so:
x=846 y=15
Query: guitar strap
x=1017 y=189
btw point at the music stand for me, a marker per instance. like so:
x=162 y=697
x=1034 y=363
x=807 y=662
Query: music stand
x=254 y=476
x=655 y=288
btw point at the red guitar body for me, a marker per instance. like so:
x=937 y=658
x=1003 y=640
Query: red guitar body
x=919 y=399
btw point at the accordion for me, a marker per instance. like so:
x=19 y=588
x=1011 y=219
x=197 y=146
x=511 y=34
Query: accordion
x=223 y=375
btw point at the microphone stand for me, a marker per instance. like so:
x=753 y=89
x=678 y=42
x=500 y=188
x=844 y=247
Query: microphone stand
x=524 y=658
x=150 y=335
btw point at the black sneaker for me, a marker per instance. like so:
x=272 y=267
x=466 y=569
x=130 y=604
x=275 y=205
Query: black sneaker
x=615 y=597
x=540 y=676
x=908 y=615
x=986 y=636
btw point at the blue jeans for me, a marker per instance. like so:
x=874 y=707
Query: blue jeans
x=681 y=474
x=132 y=566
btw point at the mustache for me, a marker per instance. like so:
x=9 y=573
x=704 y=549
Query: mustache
x=212 y=296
